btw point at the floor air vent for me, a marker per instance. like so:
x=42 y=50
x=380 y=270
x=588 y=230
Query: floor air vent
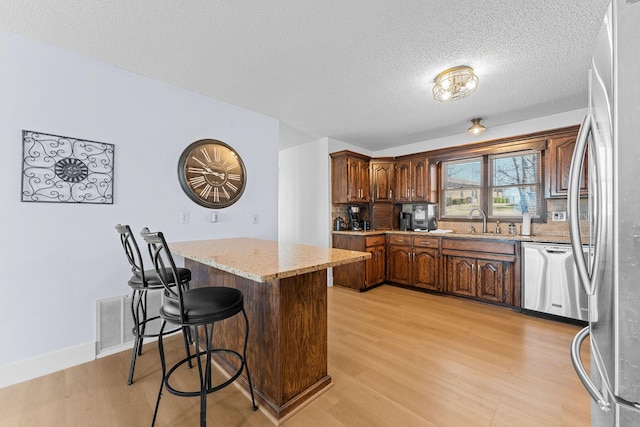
x=114 y=322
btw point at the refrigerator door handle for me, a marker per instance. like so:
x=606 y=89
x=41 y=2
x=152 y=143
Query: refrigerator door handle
x=573 y=199
x=592 y=389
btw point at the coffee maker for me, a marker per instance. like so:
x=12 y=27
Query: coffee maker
x=405 y=221
x=354 y=218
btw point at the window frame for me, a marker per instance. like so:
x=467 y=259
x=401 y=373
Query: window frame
x=486 y=186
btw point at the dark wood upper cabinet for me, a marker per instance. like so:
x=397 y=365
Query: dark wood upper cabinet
x=558 y=164
x=349 y=178
x=411 y=180
x=382 y=180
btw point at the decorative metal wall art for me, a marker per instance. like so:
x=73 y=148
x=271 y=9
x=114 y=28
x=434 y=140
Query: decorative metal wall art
x=60 y=169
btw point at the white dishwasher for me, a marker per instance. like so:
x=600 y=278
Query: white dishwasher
x=550 y=281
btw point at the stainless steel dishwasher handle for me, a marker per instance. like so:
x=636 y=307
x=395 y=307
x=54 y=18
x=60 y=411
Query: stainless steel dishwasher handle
x=592 y=389
x=573 y=199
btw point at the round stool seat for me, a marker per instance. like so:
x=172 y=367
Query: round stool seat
x=152 y=278
x=203 y=305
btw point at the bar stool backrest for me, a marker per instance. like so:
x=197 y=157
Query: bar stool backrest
x=165 y=266
x=132 y=251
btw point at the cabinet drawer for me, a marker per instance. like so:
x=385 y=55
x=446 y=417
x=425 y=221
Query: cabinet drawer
x=426 y=242
x=475 y=245
x=399 y=239
x=374 y=240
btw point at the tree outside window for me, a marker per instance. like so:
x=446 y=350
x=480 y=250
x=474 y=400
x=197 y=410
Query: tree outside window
x=513 y=185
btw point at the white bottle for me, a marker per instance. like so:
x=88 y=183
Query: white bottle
x=526 y=224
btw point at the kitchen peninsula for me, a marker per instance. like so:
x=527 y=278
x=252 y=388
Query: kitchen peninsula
x=285 y=292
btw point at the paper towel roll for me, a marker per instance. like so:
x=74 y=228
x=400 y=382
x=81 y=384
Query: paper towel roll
x=526 y=224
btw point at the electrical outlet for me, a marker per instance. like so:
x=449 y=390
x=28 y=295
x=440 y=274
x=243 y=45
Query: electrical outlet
x=214 y=217
x=559 y=216
x=256 y=218
x=185 y=217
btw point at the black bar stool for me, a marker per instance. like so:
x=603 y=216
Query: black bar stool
x=141 y=282
x=197 y=308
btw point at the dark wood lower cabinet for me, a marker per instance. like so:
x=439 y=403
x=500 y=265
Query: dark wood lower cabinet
x=484 y=279
x=400 y=264
x=489 y=275
x=461 y=279
x=483 y=269
x=414 y=261
x=425 y=268
x=375 y=267
x=362 y=275
x=492 y=279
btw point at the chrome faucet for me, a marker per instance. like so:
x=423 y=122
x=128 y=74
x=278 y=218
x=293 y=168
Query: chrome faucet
x=484 y=218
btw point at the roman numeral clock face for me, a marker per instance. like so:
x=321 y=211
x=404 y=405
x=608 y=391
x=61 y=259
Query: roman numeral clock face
x=211 y=173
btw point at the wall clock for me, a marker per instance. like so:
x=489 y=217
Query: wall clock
x=212 y=174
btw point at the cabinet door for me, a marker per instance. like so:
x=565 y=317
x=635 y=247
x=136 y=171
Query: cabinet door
x=353 y=180
x=425 y=269
x=382 y=179
x=382 y=216
x=419 y=180
x=461 y=279
x=559 y=152
x=375 y=266
x=402 y=177
x=399 y=264
x=364 y=181
x=490 y=280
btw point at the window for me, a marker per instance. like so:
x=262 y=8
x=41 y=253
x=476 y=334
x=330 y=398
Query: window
x=461 y=187
x=503 y=185
x=515 y=185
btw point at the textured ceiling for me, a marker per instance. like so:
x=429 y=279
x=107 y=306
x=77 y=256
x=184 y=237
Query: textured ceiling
x=359 y=71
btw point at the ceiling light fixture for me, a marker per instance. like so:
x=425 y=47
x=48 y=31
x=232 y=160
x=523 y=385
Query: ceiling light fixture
x=476 y=127
x=455 y=83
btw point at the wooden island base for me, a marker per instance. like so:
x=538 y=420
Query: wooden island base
x=287 y=349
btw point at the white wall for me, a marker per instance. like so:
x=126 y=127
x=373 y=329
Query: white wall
x=554 y=121
x=304 y=198
x=56 y=260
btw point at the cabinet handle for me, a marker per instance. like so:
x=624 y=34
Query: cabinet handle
x=390 y=194
x=426 y=243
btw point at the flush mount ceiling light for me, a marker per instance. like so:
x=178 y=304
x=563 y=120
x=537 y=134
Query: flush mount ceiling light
x=476 y=127
x=455 y=83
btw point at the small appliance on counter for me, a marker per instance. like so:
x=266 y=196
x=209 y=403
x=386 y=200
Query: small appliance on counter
x=405 y=221
x=354 y=218
x=339 y=224
x=423 y=217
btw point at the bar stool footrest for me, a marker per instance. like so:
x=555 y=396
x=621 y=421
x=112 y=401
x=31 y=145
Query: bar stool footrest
x=217 y=387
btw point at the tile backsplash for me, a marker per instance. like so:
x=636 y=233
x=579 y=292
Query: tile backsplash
x=550 y=228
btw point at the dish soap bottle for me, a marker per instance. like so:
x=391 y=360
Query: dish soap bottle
x=497 y=227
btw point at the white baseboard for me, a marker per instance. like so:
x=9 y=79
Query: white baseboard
x=46 y=364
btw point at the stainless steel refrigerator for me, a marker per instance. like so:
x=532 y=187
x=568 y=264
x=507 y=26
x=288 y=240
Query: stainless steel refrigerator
x=611 y=276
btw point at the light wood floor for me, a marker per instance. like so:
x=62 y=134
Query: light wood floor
x=397 y=358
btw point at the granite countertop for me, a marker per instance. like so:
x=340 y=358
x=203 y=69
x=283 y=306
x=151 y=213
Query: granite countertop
x=264 y=260
x=493 y=236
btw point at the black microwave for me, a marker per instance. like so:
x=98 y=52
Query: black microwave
x=423 y=216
